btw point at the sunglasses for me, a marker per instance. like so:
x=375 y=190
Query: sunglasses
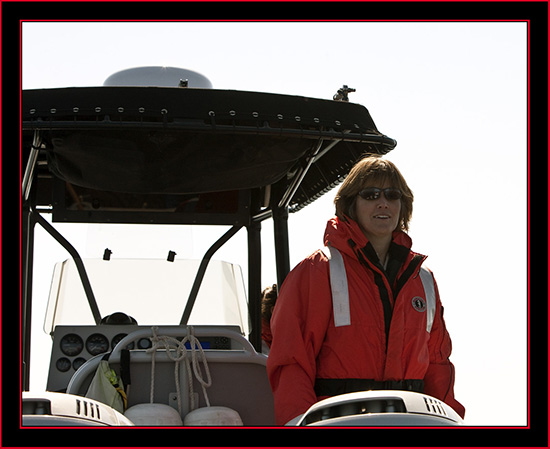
x=373 y=193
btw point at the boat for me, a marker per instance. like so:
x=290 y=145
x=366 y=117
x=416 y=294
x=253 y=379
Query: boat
x=190 y=353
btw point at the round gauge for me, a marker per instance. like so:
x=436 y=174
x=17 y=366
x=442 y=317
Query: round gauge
x=63 y=364
x=144 y=343
x=97 y=343
x=78 y=362
x=119 y=337
x=71 y=345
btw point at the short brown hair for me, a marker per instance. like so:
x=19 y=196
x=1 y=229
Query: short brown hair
x=373 y=171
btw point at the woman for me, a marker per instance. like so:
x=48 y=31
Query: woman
x=387 y=344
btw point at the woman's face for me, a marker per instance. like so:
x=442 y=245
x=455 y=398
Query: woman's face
x=378 y=218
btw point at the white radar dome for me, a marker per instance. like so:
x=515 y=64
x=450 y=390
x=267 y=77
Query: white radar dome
x=159 y=77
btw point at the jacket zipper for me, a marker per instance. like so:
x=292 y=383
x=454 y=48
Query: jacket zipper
x=385 y=290
x=381 y=283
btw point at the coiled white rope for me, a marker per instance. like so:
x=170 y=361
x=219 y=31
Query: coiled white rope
x=176 y=351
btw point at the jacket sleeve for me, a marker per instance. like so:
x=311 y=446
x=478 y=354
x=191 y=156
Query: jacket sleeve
x=298 y=326
x=440 y=377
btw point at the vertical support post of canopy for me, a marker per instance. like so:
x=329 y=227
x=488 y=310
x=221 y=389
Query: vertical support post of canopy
x=28 y=190
x=282 y=251
x=280 y=212
x=254 y=284
x=27 y=255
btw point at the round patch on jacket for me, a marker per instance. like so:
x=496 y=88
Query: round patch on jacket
x=419 y=304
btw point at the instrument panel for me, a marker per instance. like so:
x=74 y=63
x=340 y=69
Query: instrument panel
x=74 y=345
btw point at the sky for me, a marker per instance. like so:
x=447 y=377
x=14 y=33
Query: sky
x=453 y=95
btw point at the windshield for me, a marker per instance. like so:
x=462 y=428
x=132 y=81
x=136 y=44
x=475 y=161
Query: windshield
x=153 y=291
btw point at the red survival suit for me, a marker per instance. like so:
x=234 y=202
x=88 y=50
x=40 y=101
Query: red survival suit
x=311 y=359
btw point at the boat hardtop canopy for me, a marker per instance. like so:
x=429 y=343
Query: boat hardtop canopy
x=160 y=140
